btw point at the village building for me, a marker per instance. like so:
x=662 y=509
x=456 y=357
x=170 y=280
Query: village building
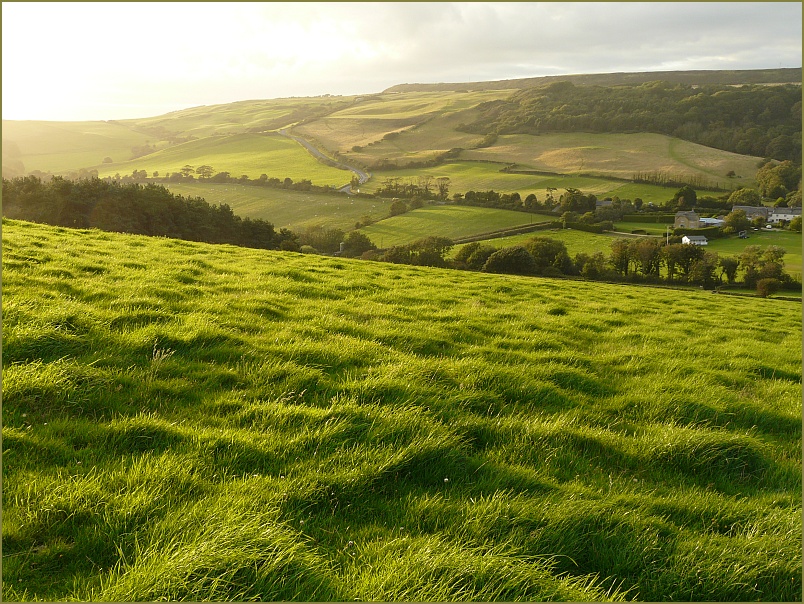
x=780 y=215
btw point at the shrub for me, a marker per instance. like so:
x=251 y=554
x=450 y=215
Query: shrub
x=514 y=260
x=767 y=287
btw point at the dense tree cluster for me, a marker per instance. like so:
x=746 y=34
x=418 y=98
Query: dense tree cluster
x=754 y=120
x=135 y=208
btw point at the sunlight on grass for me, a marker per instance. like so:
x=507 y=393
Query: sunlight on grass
x=195 y=422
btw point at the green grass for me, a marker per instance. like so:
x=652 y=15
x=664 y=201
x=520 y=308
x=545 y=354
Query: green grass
x=194 y=422
x=483 y=176
x=791 y=242
x=294 y=210
x=445 y=221
x=575 y=241
x=250 y=154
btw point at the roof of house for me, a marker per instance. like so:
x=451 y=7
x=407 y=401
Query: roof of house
x=687 y=214
x=694 y=238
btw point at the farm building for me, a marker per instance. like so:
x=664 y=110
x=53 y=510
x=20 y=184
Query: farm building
x=752 y=212
x=694 y=240
x=711 y=222
x=687 y=220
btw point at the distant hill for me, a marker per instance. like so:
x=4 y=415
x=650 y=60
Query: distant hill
x=791 y=75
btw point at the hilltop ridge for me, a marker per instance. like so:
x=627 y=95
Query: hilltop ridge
x=727 y=77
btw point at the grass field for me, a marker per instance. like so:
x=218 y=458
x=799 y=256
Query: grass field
x=791 y=242
x=192 y=422
x=484 y=176
x=576 y=241
x=445 y=221
x=294 y=210
x=250 y=154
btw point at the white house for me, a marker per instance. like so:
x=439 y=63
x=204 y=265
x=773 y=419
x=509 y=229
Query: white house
x=694 y=240
x=778 y=215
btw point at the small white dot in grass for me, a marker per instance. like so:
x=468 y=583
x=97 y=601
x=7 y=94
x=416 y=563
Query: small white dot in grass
x=446 y=480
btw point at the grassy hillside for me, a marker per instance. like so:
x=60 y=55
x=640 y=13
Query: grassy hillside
x=619 y=155
x=192 y=422
x=250 y=154
x=294 y=210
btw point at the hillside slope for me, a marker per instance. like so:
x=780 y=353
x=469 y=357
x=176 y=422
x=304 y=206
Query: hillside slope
x=194 y=422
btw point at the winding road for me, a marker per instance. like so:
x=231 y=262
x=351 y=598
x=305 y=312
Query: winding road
x=362 y=176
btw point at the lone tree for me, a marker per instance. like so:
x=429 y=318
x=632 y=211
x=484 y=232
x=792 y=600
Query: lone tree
x=204 y=171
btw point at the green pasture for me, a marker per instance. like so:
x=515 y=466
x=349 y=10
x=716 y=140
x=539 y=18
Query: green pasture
x=484 y=176
x=190 y=422
x=649 y=228
x=619 y=155
x=791 y=242
x=576 y=241
x=249 y=154
x=294 y=210
x=445 y=221
x=62 y=146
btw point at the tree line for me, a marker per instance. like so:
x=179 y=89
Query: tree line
x=643 y=260
x=764 y=121
x=135 y=208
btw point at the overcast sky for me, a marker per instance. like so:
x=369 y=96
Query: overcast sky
x=116 y=60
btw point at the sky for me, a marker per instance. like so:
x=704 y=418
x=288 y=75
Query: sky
x=99 y=61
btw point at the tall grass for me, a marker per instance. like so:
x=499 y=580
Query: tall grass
x=192 y=422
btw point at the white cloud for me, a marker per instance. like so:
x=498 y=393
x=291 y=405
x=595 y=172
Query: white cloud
x=115 y=60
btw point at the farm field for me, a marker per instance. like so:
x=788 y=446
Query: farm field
x=294 y=210
x=791 y=242
x=250 y=154
x=428 y=120
x=445 y=221
x=483 y=176
x=620 y=155
x=193 y=422
x=576 y=241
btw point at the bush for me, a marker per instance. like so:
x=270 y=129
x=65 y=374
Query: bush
x=514 y=260
x=767 y=287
